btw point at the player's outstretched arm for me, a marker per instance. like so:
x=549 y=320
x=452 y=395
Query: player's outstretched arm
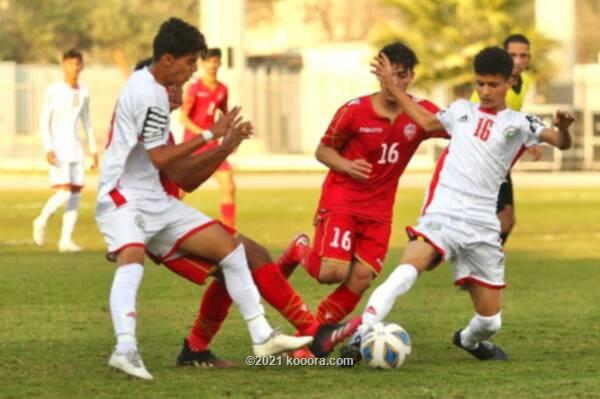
x=358 y=169
x=382 y=68
x=165 y=155
x=559 y=137
x=194 y=170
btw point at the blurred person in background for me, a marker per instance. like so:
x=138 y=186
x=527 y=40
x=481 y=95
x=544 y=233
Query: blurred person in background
x=202 y=100
x=65 y=104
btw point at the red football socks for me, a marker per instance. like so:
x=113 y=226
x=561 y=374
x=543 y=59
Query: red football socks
x=276 y=290
x=213 y=311
x=339 y=304
x=228 y=214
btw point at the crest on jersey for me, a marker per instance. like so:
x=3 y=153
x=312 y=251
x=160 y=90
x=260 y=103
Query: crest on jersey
x=509 y=132
x=410 y=131
x=139 y=222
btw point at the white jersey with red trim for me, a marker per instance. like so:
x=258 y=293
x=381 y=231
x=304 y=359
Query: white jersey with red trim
x=63 y=108
x=483 y=145
x=140 y=123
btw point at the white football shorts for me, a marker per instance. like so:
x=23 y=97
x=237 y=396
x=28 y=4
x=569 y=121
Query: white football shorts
x=160 y=228
x=67 y=173
x=475 y=251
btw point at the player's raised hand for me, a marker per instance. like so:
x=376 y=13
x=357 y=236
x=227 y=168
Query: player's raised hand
x=562 y=119
x=222 y=125
x=382 y=68
x=51 y=158
x=359 y=169
x=237 y=132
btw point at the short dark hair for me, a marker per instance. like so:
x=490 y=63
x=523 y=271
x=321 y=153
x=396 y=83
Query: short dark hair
x=400 y=53
x=143 y=64
x=515 y=38
x=178 y=38
x=72 y=53
x=212 y=52
x=493 y=61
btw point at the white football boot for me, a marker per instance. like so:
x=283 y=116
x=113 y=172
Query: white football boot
x=131 y=363
x=68 y=247
x=39 y=232
x=278 y=342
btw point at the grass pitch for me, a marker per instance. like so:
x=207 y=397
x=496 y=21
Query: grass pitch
x=56 y=335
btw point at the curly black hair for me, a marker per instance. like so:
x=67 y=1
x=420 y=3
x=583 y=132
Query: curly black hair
x=178 y=38
x=400 y=53
x=493 y=61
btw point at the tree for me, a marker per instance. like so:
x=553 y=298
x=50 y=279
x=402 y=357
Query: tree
x=446 y=35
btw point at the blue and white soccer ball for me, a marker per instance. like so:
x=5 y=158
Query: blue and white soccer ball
x=385 y=346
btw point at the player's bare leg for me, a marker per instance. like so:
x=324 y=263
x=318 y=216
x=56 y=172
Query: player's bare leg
x=227 y=187
x=66 y=243
x=127 y=280
x=418 y=257
x=215 y=244
x=484 y=325
x=56 y=201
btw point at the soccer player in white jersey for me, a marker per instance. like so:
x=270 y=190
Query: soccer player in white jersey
x=66 y=103
x=458 y=220
x=133 y=210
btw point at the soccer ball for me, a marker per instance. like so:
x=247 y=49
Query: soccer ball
x=385 y=346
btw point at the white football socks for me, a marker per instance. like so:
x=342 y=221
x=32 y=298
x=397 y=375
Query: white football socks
x=383 y=298
x=70 y=217
x=244 y=293
x=480 y=328
x=122 y=305
x=56 y=201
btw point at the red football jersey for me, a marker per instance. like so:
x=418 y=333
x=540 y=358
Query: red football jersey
x=206 y=103
x=170 y=187
x=357 y=131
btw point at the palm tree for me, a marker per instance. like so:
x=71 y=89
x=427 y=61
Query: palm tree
x=447 y=34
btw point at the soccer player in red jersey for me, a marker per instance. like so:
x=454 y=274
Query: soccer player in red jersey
x=201 y=102
x=367 y=147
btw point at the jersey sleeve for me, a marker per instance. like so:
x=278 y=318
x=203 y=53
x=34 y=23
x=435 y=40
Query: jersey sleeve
x=87 y=126
x=532 y=127
x=151 y=121
x=447 y=117
x=431 y=107
x=339 y=130
x=45 y=119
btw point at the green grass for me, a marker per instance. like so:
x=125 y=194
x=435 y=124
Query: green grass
x=56 y=335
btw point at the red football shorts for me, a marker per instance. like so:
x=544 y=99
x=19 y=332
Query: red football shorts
x=341 y=237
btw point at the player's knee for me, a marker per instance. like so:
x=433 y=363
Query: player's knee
x=359 y=281
x=333 y=272
x=256 y=254
x=490 y=325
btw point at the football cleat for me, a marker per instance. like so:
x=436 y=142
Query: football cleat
x=329 y=335
x=302 y=353
x=277 y=343
x=64 y=247
x=352 y=351
x=130 y=363
x=205 y=359
x=484 y=351
x=39 y=232
x=292 y=255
